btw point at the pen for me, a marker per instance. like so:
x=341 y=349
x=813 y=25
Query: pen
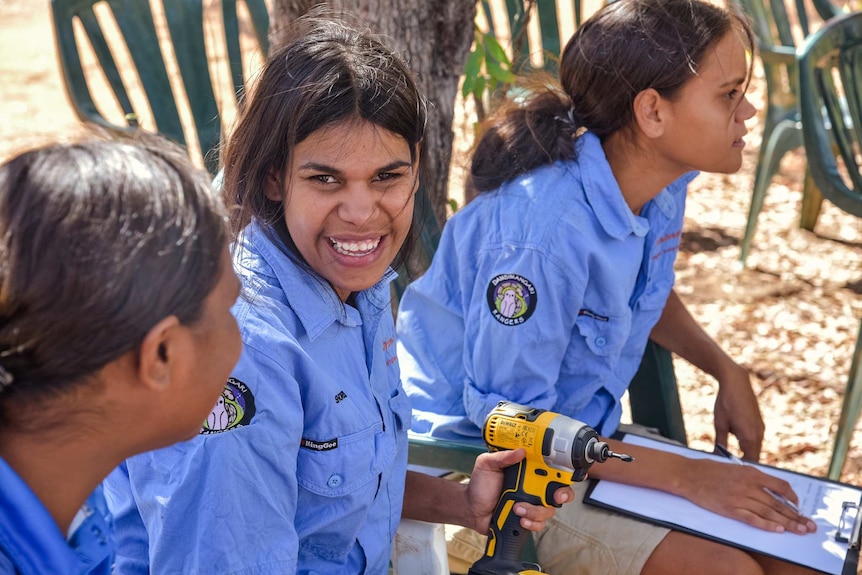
x=723 y=451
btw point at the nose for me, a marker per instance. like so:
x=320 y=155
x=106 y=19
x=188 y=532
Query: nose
x=358 y=204
x=746 y=110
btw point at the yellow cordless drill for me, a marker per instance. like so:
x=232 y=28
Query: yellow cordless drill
x=560 y=450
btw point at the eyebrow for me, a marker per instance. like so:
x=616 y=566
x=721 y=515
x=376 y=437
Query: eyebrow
x=335 y=171
x=738 y=81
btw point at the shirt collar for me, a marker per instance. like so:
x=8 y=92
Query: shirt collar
x=604 y=194
x=311 y=298
x=28 y=533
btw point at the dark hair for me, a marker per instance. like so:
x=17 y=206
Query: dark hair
x=327 y=72
x=626 y=47
x=98 y=242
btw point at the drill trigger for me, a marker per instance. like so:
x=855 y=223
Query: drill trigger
x=550 y=490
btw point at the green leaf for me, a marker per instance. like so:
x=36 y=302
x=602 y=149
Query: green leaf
x=471 y=70
x=479 y=88
x=495 y=50
x=498 y=73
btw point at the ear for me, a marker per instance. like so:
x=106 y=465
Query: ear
x=651 y=113
x=158 y=352
x=274 y=189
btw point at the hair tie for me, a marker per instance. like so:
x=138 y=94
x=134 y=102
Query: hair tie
x=569 y=121
x=6 y=378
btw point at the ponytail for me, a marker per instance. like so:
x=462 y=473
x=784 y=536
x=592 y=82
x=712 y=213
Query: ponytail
x=522 y=135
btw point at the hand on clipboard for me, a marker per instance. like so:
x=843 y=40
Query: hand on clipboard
x=765 y=501
x=723 y=451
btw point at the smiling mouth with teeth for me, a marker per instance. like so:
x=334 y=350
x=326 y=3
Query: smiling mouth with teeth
x=355 y=249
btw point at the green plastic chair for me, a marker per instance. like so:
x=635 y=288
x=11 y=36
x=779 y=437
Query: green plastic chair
x=830 y=90
x=136 y=31
x=773 y=22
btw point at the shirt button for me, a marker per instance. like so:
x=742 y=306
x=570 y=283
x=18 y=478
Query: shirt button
x=600 y=342
x=334 y=481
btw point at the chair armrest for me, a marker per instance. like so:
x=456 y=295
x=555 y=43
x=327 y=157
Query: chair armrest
x=779 y=55
x=442 y=453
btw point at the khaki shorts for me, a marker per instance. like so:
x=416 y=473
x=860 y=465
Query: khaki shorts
x=580 y=539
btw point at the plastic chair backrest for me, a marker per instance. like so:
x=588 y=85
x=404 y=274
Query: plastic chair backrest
x=137 y=46
x=781 y=25
x=830 y=86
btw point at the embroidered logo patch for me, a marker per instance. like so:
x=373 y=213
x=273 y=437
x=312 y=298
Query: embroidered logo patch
x=234 y=409
x=511 y=298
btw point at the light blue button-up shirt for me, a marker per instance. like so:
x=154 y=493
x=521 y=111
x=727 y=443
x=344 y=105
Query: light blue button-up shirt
x=301 y=466
x=544 y=293
x=31 y=542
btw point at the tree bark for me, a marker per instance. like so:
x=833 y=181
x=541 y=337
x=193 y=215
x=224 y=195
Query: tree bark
x=435 y=36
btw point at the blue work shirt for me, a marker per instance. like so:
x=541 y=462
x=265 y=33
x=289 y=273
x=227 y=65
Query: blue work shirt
x=301 y=465
x=542 y=292
x=31 y=542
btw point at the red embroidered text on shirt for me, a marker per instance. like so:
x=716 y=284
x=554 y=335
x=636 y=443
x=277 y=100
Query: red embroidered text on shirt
x=668 y=250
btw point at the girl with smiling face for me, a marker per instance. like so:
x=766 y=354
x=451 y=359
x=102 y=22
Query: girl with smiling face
x=547 y=286
x=301 y=467
x=348 y=201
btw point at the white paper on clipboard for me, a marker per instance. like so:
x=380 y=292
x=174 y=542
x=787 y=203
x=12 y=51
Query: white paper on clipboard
x=820 y=499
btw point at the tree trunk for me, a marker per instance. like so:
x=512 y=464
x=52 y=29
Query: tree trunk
x=435 y=36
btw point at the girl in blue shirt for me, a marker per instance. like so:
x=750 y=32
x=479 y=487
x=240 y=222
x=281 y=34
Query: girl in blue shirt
x=546 y=287
x=115 y=334
x=301 y=466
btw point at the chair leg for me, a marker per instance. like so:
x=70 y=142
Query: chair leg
x=785 y=136
x=850 y=410
x=757 y=198
x=812 y=200
x=762 y=176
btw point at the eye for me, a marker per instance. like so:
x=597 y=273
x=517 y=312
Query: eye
x=323 y=178
x=733 y=94
x=387 y=176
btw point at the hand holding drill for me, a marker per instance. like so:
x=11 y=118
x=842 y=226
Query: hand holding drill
x=559 y=449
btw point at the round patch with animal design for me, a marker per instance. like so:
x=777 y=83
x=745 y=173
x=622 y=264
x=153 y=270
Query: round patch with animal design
x=234 y=408
x=511 y=298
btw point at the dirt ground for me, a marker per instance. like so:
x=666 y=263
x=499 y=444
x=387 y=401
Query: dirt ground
x=791 y=317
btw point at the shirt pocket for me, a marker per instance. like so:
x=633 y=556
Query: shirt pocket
x=343 y=465
x=604 y=336
x=338 y=487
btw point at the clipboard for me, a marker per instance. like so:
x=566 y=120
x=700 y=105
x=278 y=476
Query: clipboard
x=851 y=562
x=833 y=549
